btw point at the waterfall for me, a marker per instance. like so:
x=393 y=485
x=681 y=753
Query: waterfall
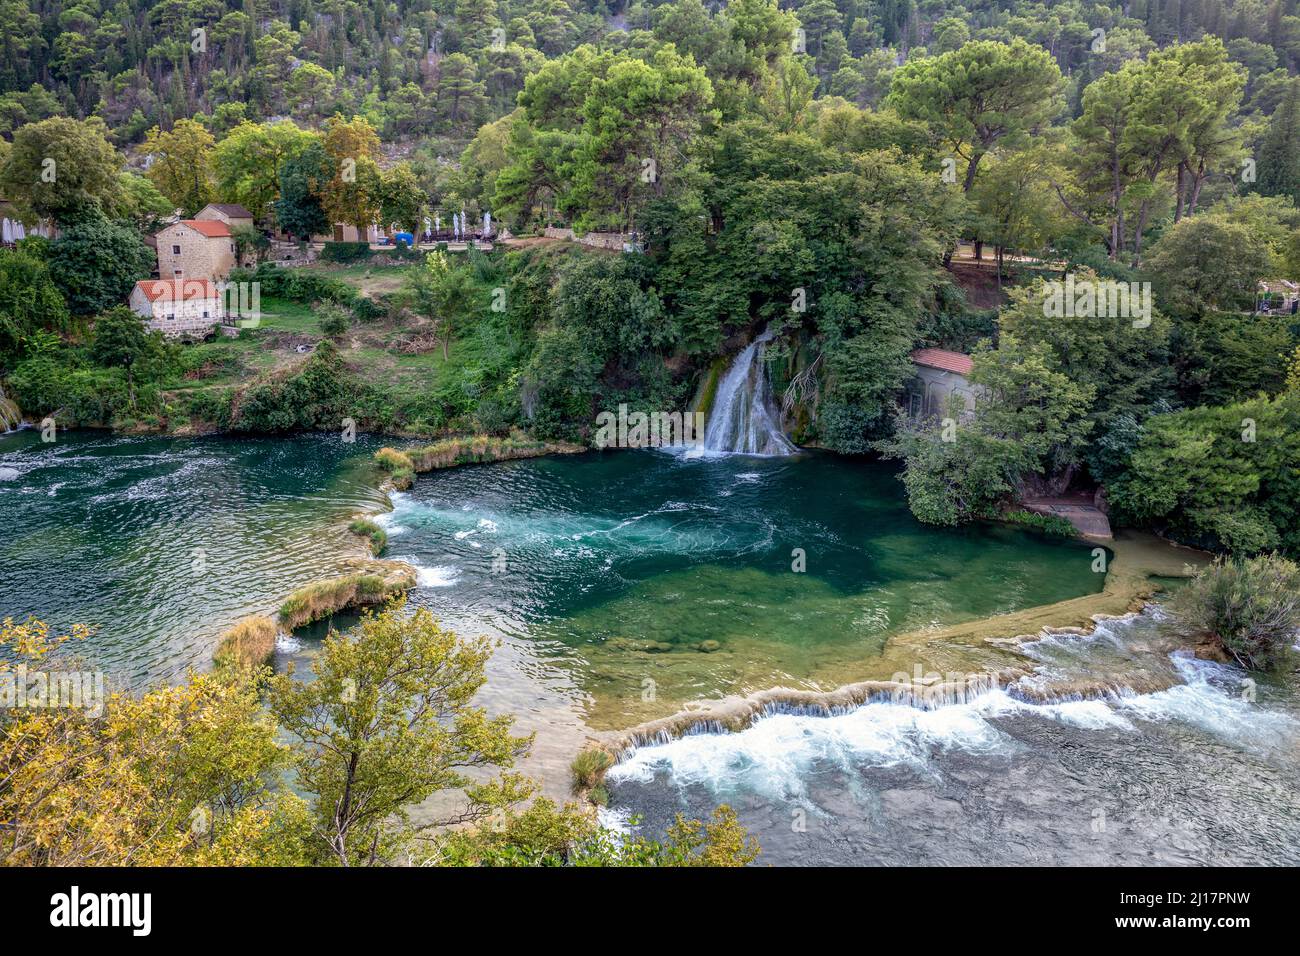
x=743 y=419
x=10 y=416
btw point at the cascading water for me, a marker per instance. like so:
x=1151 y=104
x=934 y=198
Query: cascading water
x=743 y=419
x=10 y=416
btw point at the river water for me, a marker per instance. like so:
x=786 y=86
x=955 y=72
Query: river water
x=623 y=585
x=1204 y=772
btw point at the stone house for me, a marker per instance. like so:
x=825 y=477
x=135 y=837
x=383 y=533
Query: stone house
x=195 y=249
x=232 y=214
x=940 y=373
x=179 y=308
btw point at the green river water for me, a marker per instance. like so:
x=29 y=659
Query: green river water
x=619 y=571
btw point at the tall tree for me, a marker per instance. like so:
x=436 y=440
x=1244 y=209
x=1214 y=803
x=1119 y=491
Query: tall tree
x=402 y=200
x=247 y=163
x=181 y=164
x=96 y=262
x=980 y=95
x=303 y=179
x=1279 y=154
x=60 y=169
x=388 y=721
x=352 y=195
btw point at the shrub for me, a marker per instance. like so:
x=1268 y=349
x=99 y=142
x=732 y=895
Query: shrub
x=589 y=767
x=297 y=285
x=333 y=319
x=345 y=252
x=545 y=834
x=366 y=310
x=1053 y=525
x=210 y=405
x=318 y=395
x=1251 y=607
x=74 y=396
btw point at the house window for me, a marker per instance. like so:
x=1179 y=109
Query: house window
x=205 y=313
x=176 y=250
x=170 y=316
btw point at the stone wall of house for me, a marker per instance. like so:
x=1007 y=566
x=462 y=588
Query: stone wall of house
x=195 y=318
x=928 y=391
x=200 y=256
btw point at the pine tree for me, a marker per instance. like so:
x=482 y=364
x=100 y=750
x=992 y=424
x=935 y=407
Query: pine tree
x=1279 y=154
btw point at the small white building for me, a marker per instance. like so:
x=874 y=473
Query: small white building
x=179 y=308
x=939 y=375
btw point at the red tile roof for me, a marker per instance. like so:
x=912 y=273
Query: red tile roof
x=178 y=290
x=945 y=360
x=212 y=228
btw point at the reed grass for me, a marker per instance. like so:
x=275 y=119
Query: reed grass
x=249 y=644
x=321 y=599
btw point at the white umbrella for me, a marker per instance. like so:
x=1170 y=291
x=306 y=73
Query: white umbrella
x=20 y=232
x=437 y=224
x=8 y=231
x=487 y=223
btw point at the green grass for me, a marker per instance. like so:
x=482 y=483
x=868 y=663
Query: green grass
x=589 y=767
x=368 y=277
x=1053 y=525
x=282 y=315
x=366 y=528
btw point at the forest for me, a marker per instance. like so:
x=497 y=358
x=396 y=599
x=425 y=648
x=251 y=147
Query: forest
x=862 y=178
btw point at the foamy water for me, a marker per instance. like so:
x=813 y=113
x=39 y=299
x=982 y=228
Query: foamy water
x=1215 y=754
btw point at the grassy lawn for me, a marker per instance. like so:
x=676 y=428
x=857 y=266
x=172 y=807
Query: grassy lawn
x=370 y=279
x=281 y=315
x=284 y=325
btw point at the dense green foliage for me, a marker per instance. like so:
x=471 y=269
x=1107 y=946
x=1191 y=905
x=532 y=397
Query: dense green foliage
x=1224 y=476
x=1250 y=607
x=806 y=168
